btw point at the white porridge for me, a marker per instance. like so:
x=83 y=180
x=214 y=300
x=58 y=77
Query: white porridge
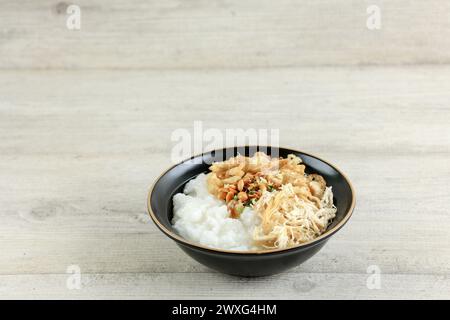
x=200 y=217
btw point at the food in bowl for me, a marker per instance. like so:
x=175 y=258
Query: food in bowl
x=250 y=262
x=254 y=203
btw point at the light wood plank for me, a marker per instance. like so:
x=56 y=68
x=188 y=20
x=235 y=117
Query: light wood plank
x=208 y=285
x=222 y=34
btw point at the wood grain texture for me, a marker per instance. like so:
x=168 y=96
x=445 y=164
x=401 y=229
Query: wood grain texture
x=79 y=150
x=209 y=285
x=206 y=34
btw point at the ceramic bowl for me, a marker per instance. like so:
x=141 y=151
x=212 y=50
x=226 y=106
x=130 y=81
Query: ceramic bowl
x=247 y=263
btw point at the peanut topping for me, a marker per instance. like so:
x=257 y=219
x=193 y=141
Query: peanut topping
x=241 y=181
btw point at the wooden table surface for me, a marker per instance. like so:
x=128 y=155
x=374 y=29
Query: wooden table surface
x=86 y=119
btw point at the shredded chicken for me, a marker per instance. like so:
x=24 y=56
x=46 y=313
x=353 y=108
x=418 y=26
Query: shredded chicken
x=288 y=220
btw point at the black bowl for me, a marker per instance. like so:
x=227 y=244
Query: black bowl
x=247 y=263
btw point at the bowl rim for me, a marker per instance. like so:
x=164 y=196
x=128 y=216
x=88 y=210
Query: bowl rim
x=179 y=239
